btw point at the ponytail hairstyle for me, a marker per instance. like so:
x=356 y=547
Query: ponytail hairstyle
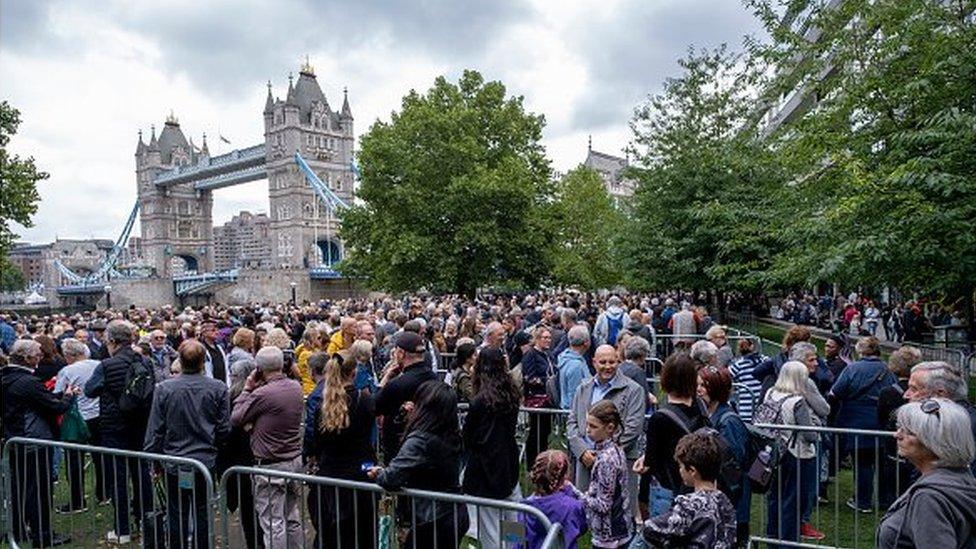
x=334 y=414
x=549 y=472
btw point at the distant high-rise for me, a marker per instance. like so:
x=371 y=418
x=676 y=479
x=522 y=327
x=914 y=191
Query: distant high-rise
x=243 y=242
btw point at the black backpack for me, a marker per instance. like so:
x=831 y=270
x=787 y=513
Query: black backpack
x=137 y=394
x=730 y=472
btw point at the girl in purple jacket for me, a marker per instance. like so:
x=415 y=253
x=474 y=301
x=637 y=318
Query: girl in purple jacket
x=556 y=498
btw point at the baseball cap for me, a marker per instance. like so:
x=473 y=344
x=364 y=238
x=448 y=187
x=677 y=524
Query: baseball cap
x=410 y=342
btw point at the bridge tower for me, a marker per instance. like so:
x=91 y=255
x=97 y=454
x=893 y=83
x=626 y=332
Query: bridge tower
x=176 y=221
x=303 y=233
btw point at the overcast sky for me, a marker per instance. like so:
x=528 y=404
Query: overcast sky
x=87 y=75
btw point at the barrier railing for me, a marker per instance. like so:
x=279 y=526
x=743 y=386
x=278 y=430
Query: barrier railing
x=347 y=513
x=666 y=343
x=955 y=357
x=129 y=484
x=838 y=492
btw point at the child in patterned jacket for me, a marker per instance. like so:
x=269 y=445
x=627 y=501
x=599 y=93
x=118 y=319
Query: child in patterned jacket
x=704 y=518
x=606 y=499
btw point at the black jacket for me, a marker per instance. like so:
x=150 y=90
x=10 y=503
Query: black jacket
x=491 y=451
x=391 y=397
x=107 y=383
x=29 y=410
x=426 y=462
x=342 y=453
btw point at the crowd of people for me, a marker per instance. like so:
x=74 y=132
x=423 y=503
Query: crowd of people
x=672 y=426
x=860 y=315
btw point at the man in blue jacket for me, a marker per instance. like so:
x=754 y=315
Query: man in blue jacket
x=856 y=391
x=572 y=366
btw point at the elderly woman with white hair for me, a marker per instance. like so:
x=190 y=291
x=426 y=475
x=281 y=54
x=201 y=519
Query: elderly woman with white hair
x=786 y=403
x=939 y=510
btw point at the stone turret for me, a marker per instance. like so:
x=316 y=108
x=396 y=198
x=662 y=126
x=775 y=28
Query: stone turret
x=306 y=123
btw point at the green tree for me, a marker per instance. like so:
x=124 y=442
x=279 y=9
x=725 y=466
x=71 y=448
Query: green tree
x=585 y=221
x=18 y=182
x=11 y=276
x=884 y=163
x=454 y=191
x=701 y=205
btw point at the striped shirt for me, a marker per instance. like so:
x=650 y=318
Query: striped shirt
x=741 y=370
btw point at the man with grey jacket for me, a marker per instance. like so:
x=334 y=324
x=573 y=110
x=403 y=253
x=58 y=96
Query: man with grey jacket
x=611 y=384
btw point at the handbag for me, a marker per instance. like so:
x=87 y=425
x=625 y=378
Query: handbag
x=73 y=426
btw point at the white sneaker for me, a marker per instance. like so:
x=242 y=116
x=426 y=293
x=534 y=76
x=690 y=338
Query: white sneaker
x=112 y=537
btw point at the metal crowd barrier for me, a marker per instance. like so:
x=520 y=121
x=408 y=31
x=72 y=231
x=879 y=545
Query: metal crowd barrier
x=955 y=357
x=83 y=503
x=667 y=342
x=322 y=512
x=843 y=491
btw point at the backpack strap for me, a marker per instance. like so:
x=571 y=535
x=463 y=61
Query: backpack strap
x=863 y=390
x=676 y=416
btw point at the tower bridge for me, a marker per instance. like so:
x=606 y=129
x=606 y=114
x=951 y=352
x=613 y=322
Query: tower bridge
x=307 y=158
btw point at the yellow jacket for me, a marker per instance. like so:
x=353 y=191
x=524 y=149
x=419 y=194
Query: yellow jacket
x=336 y=343
x=308 y=384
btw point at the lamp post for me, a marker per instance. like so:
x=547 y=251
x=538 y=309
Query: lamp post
x=108 y=296
x=293 y=301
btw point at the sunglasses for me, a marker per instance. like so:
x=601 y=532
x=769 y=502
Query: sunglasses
x=931 y=406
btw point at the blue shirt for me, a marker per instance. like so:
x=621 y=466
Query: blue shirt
x=364 y=378
x=572 y=372
x=600 y=390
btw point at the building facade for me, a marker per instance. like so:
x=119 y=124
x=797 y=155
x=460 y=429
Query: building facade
x=303 y=234
x=176 y=221
x=36 y=261
x=611 y=170
x=243 y=242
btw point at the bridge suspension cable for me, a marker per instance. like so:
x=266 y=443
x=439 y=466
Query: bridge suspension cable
x=108 y=264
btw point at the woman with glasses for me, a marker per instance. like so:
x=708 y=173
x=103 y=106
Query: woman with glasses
x=939 y=510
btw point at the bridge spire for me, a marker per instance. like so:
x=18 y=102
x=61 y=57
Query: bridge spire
x=152 y=140
x=346 y=111
x=204 y=149
x=291 y=90
x=269 y=102
x=141 y=146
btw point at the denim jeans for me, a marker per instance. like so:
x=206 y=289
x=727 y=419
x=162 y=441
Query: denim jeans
x=786 y=495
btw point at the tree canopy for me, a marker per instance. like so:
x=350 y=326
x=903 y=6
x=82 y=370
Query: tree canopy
x=18 y=181
x=586 y=223
x=18 y=195
x=454 y=193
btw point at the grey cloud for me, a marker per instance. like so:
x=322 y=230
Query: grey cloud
x=224 y=49
x=629 y=53
x=24 y=25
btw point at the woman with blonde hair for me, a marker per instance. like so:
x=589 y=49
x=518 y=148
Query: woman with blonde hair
x=338 y=444
x=243 y=342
